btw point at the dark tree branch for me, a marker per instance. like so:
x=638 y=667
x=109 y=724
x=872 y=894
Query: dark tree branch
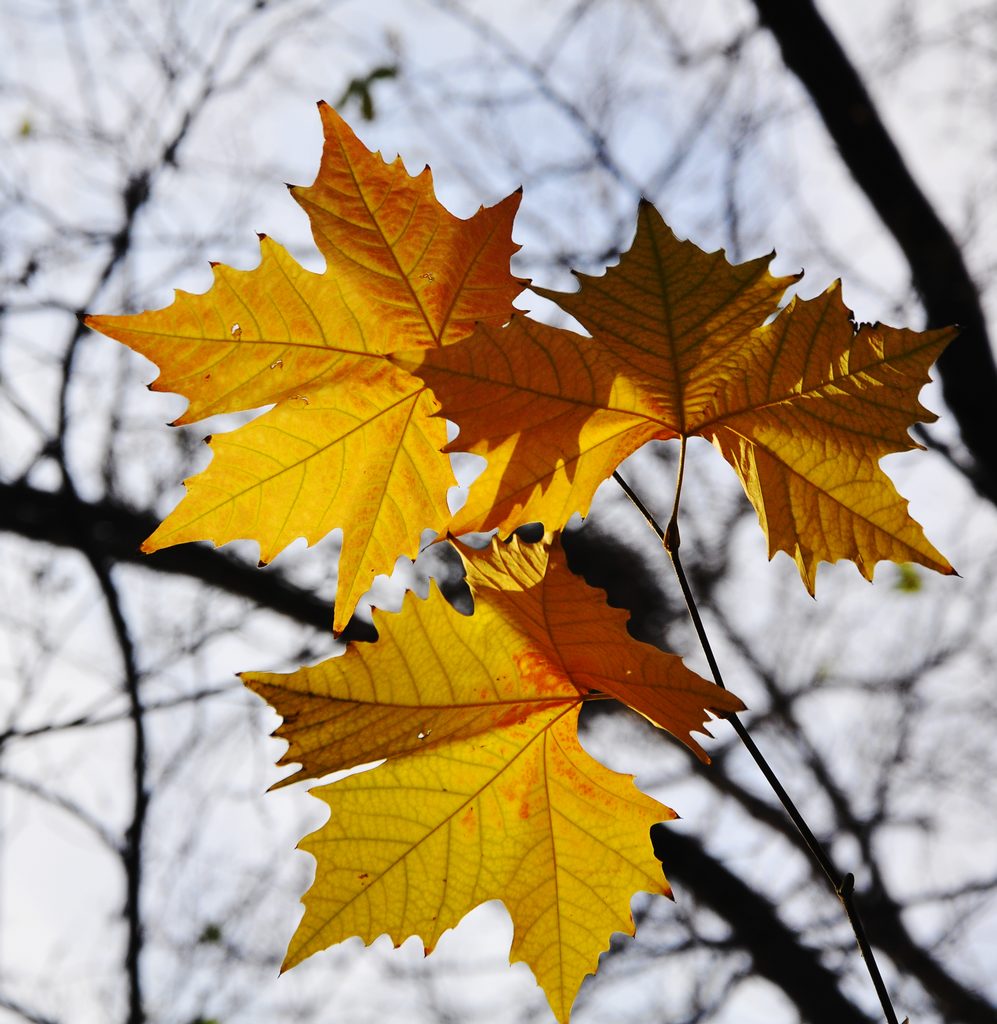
x=117 y=531
x=968 y=373
x=775 y=950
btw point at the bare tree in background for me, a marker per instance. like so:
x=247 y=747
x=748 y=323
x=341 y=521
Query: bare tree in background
x=143 y=874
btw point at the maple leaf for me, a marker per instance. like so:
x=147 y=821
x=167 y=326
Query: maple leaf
x=486 y=792
x=351 y=441
x=803 y=408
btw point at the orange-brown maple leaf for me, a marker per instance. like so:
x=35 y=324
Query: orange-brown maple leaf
x=351 y=441
x=803 y=407
x=485 y=792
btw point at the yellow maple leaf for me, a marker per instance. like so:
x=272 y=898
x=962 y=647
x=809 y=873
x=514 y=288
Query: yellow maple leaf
x=805 y=420
x=351 y=441
x=803 y=407
x=486 y=792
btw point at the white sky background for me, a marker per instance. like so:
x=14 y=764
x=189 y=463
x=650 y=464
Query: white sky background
x=484 y=130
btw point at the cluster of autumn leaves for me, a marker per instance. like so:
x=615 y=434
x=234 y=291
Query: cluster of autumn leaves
x=485 y=792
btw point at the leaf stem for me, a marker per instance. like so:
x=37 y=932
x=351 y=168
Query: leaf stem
x=843 y=888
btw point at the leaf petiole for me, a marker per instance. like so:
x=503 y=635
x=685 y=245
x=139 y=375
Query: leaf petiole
x=843 y=887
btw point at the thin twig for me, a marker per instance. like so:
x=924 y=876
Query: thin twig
x=843 y=888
